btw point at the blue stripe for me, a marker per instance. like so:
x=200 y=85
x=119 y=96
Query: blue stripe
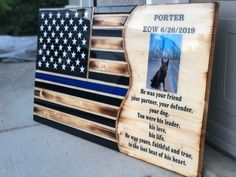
x=83 y=84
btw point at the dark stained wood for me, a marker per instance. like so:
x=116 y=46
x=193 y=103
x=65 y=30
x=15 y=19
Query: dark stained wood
x=81 y=93
x=109 y=78
x=75 y=122
x=111 y=10
x=77 y=132
x=79 y=103
x=107 y=32
x=116 y=56
x=76 y=112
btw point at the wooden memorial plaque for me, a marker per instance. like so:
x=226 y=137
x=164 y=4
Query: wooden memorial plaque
x=134 y=78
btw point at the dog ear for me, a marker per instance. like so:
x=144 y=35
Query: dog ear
x=167 y=61
x=162 y=61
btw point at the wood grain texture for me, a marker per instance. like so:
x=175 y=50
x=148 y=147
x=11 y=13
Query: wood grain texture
x=97 y=108
x=113 y=43
x=113 y=9
x=109 y=20
x=113 y=67
x=208 y=87
x=107 y=27
x=193 y=84
x=76 y=122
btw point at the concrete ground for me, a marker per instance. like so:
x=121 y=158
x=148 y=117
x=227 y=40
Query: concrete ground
x=30 y=149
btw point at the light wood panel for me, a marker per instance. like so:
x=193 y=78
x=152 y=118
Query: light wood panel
x=142 y=121
x=109 y=20
x=107 y=43
x=113 y=67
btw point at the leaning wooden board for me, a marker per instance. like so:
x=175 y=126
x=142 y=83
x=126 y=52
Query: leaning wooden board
x=132 y=78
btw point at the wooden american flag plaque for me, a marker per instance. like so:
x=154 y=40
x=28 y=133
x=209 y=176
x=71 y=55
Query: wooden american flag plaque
x=132 y=78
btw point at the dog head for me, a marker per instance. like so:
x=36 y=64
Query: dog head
x=164 y=64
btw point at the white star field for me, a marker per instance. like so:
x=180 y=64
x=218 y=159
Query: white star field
x=63 y=42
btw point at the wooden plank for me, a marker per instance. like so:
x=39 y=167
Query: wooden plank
x=113 y=10
x=108 y=27
x=107 y=49
x=76 y=122
x=113 y=43
x=76 y=132
x=109 y=20
x=208 y=87
x=153 y=124
x=107 y=32
x=75 y=112
x=116 y=56
x=112 y=15
x=112 y=67
x=123 y=80
x=97 y=108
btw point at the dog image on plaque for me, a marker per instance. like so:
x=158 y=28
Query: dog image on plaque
x=163 y=62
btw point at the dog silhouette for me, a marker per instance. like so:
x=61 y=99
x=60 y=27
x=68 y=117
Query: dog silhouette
x=160 y=75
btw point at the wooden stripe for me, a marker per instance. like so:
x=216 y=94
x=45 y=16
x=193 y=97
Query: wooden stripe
x=76 y=122
x=109 y=78
x=108 y=27
x=117 y=56
x=107 y=50
x=79 y=93
x=77 y=132
x=111 y=67
x=111 y=15
x=107 y=32
x=114 y=43
x=76 y=112
x=97 y=108
x=115 y=9
x=107 y=73
x=109 y=20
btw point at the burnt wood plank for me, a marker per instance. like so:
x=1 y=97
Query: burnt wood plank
x=80 y=93
x=107 y=32
x=109 y=20
x=119 y=56
x=111 y=10
x=77 y=132
x=75 y=112
x=75 y=122
x=112 y=67
x=109 y=78
x=108 y=43
x=78 y=103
